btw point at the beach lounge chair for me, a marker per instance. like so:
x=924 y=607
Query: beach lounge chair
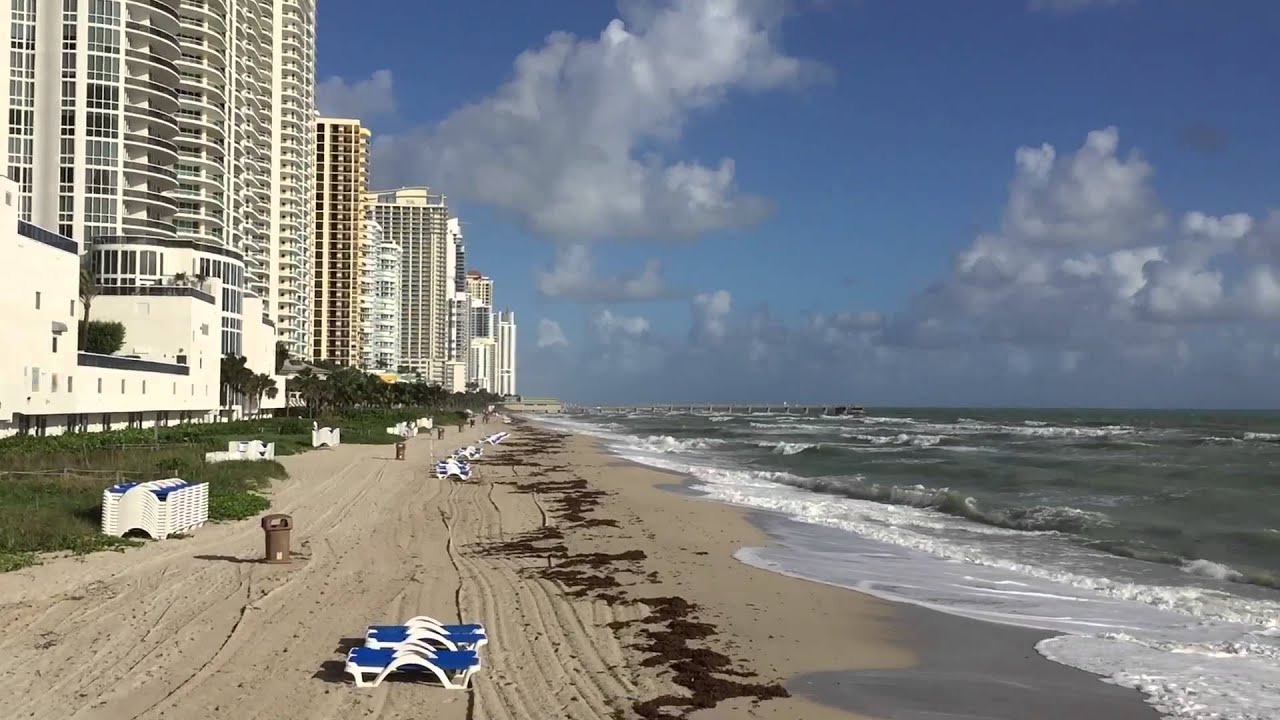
x=452 y=669
x=448 y=468
x=446 y=628
x=397 y=637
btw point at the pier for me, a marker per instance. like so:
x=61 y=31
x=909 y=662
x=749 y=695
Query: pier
x=697 y=409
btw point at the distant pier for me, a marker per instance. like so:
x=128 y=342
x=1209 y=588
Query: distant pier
x=849 y=410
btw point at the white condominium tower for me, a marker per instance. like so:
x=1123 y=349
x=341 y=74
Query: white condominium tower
x=459 y=331
x=381 y=350
x=506 y=353
x=164 y=136
x=482 y=357
x=340 y=282
x=417 y=221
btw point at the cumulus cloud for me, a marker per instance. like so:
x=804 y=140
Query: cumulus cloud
x=573 y=278
x=572 y=144
x=1088 y=292
x=366 y=99
x=550 y=334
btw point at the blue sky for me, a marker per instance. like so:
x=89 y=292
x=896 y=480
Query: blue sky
x=1006 y=202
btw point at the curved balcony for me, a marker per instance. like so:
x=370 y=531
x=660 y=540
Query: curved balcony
x=211 y=166
x=153 y=199
x=159 y=151
x=201 y=16
x=145 y=226
x=161 y=124
x=158 y=67
x=161 y=176
x=160 y=40
x=165 y=7
x=163 y=97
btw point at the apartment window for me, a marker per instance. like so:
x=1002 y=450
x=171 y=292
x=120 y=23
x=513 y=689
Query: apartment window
x=70 y=385
x=55 y=343
x=144 y=387
x=99 y=386
x=122 y=381
x=53 y=383
x=37 y=299
x=35 y=379
x=73 y=308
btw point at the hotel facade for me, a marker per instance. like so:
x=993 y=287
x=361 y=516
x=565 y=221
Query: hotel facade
x=342 y=290
x=171 y=143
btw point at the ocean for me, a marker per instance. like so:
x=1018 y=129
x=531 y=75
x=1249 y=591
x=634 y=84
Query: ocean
x=1150 y=541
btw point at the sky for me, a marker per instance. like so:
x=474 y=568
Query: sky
x=1066 y=203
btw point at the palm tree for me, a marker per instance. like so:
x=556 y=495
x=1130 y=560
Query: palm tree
x=88 y=291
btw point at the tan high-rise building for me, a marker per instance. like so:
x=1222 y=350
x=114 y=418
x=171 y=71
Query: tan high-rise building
x=339 y=241
x=480 y=288
x=418 y=221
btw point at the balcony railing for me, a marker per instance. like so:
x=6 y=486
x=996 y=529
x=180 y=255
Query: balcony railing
x=47 y=237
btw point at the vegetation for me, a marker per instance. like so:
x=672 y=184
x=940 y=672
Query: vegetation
x=51 y=487
x=88 y=291
x=239 y=383
x=346 y=390
x=102 y=336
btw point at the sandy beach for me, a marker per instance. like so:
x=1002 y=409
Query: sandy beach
x=605 y=594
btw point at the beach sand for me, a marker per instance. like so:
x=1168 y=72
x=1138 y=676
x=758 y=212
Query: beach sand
x=604 y=595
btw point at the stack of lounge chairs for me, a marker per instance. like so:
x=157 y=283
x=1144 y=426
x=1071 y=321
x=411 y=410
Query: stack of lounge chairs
x=468 y=453
x=159 y=508
x=496 y=438
x=421 y=645
x=452 y=467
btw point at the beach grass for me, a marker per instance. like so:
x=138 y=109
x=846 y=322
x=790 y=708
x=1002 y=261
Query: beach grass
x=51 y=487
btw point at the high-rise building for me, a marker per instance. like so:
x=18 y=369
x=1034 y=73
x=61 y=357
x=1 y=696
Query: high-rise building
x=417 y=221
x=382 y=326
x=505 y=371
x=293 y=138
x=161 y=135
x=459 y=332
x=340 y=282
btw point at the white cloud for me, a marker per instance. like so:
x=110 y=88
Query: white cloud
x=550 y=334
x=609 y=325
x=710 y=314
x=1086 y=293
x=367 y=99
x=571 y=144
x=573 y=278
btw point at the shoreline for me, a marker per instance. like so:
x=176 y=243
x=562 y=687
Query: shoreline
x=963 y=669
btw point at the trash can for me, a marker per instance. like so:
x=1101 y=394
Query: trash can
x=400 y=450
x=277 y=529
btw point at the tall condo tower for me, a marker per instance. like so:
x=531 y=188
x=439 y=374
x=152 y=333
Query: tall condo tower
x=340 y=242
x=505 y=323
x=158 y=134
x=417 y=220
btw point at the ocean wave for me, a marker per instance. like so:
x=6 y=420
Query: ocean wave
x=668 y=444
x=1262 y=437
x=758 y=490
x=1228 y=679
x=787 y=448
x=1040 y=518
x=920 y=441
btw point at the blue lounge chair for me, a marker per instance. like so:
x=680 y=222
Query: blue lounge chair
x=399 y=636
x=452 y=669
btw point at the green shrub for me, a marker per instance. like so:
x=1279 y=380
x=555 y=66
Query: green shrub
x=103 y=336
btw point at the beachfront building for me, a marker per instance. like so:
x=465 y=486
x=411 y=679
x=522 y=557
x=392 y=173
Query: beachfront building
x=381 y=351
x=166 y=373
x=459 y=331
x=505 y=353
x=417 y=220
x=160 y=139
x=482 y=364
x=343 y=286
